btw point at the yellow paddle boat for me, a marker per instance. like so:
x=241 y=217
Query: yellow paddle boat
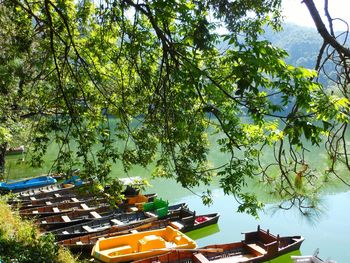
x=140 y=245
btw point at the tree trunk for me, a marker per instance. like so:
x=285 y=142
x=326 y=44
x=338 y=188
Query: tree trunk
x=3 y=147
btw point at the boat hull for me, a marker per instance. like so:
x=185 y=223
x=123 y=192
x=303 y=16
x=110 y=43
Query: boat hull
x=36 y=182
x=258 y=246
x=140 y=245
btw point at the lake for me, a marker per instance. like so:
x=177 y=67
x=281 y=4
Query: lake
x=330 y=233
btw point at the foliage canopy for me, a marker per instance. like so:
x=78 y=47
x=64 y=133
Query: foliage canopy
x=158 y=68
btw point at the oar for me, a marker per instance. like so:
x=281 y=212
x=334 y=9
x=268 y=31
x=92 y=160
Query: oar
x=209 y=250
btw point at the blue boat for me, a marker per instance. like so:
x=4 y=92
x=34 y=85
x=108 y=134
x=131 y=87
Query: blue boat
x=27 y=183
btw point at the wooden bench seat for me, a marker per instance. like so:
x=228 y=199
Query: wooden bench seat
x=150 y=214
x=95 y=214
x=257 y=248
x=66 y=219
x=117 y=222
x=133 y=209
x=84 y=206
x=176 y=224
x=199 y=257
x=88 y=229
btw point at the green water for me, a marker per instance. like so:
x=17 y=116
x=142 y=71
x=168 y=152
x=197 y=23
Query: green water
x=330 y=233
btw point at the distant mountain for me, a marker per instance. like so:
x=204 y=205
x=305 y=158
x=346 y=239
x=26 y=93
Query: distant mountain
x=303 y=45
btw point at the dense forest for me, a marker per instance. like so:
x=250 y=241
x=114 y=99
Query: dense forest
x=302 y=45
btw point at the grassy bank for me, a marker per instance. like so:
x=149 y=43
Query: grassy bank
x=20 y=240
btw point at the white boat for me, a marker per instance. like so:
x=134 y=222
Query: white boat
x=311 y=259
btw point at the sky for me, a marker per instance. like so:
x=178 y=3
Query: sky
x=296 y=12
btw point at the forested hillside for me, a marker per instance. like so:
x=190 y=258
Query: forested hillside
x=303 y=45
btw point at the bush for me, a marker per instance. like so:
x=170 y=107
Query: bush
x=20 y=241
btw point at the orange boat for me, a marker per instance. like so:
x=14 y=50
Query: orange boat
x=141 y=245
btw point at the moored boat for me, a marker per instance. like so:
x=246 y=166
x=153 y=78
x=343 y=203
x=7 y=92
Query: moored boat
x=97 y=225
x=140 y=245
x=45 y=202
x=15 y=150
x=73 y=218
x=311 y=259
x=60 y=208
x=135 y=202
x=188 y=220
x=34 y=182
x=86 y=242
x=45 y=192
x=257 y=246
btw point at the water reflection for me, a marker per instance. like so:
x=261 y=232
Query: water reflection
x=203 y=232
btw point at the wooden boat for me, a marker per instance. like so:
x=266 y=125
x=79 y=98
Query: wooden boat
x=140 y=245
x=45 y=202
x=311 y=259
x=73 y=218
x=86 y=242
x=64 y=193
x=117 y=219
x=15 y=150
x=135 y=202
x=44 y=192
x=188 y=220
x=20 y=185
x=257 y=246
x=60 y=208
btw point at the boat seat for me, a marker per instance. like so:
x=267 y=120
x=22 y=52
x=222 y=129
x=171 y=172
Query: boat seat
x=133 y=209
x=35 y=212
x=88 y=229
x=56 y=210
x=199 y=257
x=32 y=198
x=115 y=251
x=84 y=206
x=176 y=224
x=178 y=240
x=65 y=232
x=150 y=214
x=257 y=248
x=57 y=195
x=79 y=243
x=150 y=242
x=95 y=214
x=66 y=219
x=117 y=222
x=48 y=203
x=74 y=199
x=44 y=222
x=134 y=231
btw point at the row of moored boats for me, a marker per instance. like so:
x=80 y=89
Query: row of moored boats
x=142 y=228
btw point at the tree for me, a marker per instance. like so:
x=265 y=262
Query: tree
x=335 y=49
x=19 y=73
x=157 y=68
